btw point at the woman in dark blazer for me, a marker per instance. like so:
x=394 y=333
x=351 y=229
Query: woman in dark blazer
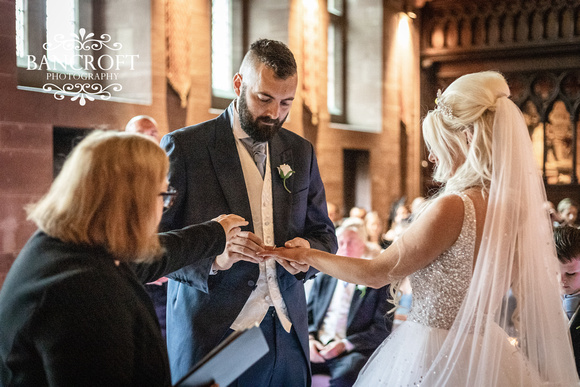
x=73 y=311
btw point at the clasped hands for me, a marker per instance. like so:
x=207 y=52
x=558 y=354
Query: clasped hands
x=320 y=353
x=247 y=246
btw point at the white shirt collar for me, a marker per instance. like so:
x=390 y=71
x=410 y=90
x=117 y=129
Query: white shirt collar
x=235 y=121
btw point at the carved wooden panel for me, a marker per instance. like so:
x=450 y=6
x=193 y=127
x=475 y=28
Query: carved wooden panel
x=453 y=27
x=550 y=102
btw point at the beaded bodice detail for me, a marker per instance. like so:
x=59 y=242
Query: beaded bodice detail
x=440 y=287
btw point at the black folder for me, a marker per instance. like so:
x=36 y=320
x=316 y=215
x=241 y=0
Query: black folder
x=226 y=362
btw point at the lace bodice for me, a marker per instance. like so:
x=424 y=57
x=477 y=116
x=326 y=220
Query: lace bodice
x=440 y=287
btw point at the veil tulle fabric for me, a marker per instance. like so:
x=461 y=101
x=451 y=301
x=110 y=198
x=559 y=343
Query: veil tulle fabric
x=516 y=253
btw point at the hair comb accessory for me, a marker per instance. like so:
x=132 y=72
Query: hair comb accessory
x=443 y=108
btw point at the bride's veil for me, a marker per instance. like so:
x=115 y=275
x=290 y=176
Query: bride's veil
x=516 y=256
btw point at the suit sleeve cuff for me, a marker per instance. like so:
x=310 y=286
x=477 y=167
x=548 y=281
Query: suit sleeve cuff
x=348 y=345
x=213 y=271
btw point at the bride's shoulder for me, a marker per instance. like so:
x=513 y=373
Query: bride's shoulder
x=440 y=223
x=446 y=210
x=450 y=202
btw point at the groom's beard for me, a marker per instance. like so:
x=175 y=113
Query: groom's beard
x=256 y=128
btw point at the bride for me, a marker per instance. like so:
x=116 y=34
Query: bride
x=484 y=236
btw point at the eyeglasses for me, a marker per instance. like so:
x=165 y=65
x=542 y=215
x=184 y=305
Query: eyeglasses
x=168 y=197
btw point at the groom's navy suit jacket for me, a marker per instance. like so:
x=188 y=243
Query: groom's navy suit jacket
x=207 y=173
x=367 y=324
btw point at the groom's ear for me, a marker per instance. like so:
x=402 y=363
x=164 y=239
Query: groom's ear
x=238 y=83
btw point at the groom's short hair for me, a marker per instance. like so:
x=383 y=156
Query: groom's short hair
x=273 y=54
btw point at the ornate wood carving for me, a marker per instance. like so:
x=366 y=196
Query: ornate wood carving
x=452 y=28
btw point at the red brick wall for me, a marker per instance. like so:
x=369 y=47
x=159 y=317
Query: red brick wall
x=26 y=173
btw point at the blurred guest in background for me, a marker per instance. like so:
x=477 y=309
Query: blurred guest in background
x=357 y=212
x=374 y=228
x=334 y=213
x=568 y=210
x=400 y=223
x=350 y=227
x=145 y=125
x=554 y=214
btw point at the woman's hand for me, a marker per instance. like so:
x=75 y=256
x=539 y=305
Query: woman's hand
x=231 y=224
x=292 y=254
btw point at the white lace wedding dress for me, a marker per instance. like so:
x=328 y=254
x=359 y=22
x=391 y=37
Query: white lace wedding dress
x=406 y=356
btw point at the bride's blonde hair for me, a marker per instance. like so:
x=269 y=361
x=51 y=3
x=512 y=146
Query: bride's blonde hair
x=458 y=131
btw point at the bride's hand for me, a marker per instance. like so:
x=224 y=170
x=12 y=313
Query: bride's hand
x=298 y=256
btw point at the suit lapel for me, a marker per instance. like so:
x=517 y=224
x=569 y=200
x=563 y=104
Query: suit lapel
x=325 y=296
x=281 y=199
x=355 y=304
x=228 y=169
x=328 y=292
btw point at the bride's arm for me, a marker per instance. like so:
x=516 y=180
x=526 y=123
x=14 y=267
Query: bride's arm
x=431 y=234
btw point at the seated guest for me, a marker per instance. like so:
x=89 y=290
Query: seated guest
x=357 y=212
x=567 y=241
x=334 y=213
x=555 y=216
x=346 y=322
x=72 y=309
x=374 y=227
x=145 y=125
x=400 y=223
x=568 y=211
x=371 y=250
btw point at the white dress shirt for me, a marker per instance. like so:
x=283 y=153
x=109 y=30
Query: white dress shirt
x=334 y=325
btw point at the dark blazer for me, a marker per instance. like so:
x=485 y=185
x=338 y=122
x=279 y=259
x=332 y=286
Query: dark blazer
x=69 y=316
x=367 y=324
x=207 y=173
x=575 y=335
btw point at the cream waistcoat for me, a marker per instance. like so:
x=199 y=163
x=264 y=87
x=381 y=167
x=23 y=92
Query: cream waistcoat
x=267 y=292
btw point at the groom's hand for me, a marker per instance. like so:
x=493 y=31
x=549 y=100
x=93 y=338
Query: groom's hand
x=242 y=247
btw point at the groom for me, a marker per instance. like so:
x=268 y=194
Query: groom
x=230 y=165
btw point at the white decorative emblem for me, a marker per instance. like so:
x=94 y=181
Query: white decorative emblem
x=81 y=91
x=82 y=43
x=88 y=68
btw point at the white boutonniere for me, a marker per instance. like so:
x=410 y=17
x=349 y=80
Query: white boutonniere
x=362 y=289
x=285 y=172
